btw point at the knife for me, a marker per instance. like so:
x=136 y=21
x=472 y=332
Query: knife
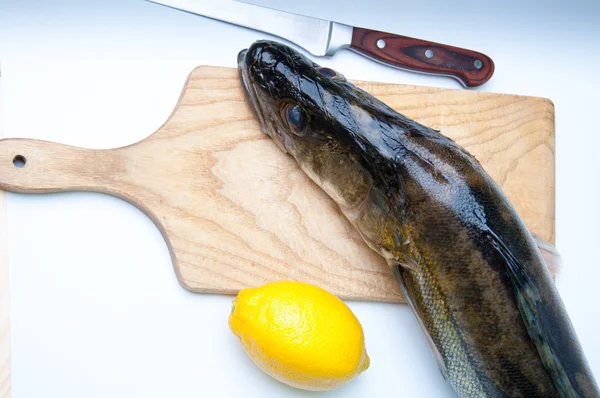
x=324 y=38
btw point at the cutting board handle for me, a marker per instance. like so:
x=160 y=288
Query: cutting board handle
x=34 y=166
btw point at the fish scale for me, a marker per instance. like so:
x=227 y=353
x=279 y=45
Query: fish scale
x=438 y=327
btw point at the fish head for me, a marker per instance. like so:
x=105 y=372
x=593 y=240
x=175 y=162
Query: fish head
x=307 y=110
x=335 y=131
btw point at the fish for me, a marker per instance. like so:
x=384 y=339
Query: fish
x=466 y=263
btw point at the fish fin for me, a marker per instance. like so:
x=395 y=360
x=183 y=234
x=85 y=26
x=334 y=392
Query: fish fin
x=551 y=256
x=534 y=315
x=404 y=262
x=397 y=268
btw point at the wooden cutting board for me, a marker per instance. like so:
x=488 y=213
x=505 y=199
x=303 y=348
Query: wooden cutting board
x=237 y=212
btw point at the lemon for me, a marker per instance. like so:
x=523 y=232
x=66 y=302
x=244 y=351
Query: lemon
x=300 y=334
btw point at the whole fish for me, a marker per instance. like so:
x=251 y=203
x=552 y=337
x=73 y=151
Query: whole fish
x=466 y=263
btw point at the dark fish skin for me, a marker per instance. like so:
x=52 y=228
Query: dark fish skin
x=466 y=263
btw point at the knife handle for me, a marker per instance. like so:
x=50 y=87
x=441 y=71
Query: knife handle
x=471 y=68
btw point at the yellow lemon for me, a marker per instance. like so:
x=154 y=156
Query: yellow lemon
x=300 y=334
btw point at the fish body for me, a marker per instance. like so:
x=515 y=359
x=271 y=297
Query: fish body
x=465 y=261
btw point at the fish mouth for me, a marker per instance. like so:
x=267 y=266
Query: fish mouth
x=255 y=104
x=249 y=91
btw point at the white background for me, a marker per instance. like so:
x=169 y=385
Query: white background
x=96 y=310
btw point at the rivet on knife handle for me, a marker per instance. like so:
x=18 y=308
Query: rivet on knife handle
x=471 y=68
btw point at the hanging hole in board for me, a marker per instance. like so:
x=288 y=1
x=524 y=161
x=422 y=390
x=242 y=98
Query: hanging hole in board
x=429 y=53
x=381 y=43
x=19 y=161
x=478 y=64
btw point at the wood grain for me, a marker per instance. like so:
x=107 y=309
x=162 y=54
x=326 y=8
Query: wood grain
x=471 y=68
x=237 y=212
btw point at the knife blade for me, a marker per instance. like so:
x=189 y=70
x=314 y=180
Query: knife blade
x=324 y=38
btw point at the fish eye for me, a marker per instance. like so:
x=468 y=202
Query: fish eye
x=294 y=114
x=328 y=72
